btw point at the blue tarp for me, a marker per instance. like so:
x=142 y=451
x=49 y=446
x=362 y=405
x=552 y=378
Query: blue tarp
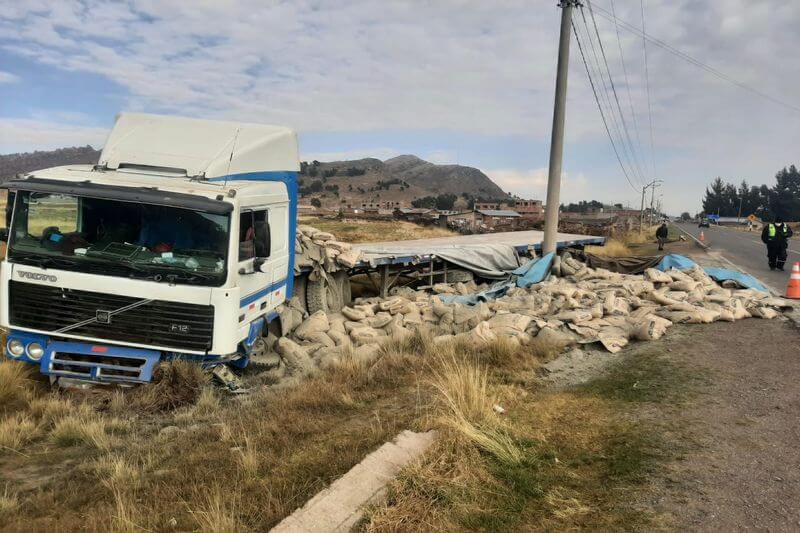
x=528 y=274
x=745 y=280
x=718 y=274
x=675 y=261
x=534 y=271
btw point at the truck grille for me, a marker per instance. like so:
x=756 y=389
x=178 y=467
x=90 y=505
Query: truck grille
x=176 y=325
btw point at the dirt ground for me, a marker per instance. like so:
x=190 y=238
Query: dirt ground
x=743 y=472
x=736 y=439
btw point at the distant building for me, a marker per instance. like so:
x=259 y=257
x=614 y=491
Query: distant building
x=528 y=209
x=494 y=218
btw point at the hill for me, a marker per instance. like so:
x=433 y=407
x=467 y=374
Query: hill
x=396 y=181
x=399 y=180
x=12 y=164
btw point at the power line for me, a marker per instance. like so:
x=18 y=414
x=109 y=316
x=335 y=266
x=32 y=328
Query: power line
x=627 y=81
x=614 y=121
x=631 y=146
x=602 y=115
x=647 y=87
x=696 y=62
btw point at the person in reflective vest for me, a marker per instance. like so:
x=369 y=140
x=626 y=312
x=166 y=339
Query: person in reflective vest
x=776 y=236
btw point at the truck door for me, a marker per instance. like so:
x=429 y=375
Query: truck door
x=263 y=261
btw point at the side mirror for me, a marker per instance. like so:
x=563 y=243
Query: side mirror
x=3 y=234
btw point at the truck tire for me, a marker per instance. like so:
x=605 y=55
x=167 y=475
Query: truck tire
x=459 y=276
x=323 y=296
x=299 y=289
x=342 y=279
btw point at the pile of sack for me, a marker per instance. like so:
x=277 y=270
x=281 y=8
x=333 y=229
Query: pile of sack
x=320 y=251
x=585 y=305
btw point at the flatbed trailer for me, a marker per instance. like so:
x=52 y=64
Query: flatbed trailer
x=417 y=258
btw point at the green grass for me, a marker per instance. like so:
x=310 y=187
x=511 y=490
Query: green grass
x=646 y=377
x=588 y=454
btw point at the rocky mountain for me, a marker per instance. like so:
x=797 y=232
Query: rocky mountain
x=335 y=184
x=399 y=180
x=13 y=164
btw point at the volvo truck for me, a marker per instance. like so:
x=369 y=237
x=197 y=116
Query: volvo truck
x=178 y=243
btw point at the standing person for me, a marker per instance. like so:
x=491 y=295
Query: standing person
x=661 y=235
x=776 y=236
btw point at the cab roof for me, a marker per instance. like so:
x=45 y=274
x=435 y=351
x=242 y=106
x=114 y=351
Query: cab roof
x=198 y=147
x=160 y=180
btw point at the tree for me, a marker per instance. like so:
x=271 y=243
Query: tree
x=714 y=199
x=785 y=198
x=316 y=202
x=427 y=202
x=445 y=201
x=686 y=216
x=461 y=204
x=782 y=200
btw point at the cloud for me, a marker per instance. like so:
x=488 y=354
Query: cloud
x=7 y=77
x=345 y=155
x=27 y=135
x=532 y=184
x=450 y=66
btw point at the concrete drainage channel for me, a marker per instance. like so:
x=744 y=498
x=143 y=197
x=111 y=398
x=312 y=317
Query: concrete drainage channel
x=340 y=507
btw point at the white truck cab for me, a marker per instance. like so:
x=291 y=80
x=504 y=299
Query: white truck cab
x=179 y=243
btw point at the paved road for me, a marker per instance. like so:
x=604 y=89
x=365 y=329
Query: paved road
x=748 y=252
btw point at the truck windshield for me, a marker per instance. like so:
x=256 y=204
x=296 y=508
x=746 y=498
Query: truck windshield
x=117 y=238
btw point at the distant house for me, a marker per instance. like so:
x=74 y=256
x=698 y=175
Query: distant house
x=414 y=214
x=528 y=209
x=456 y=219
x=493 y=218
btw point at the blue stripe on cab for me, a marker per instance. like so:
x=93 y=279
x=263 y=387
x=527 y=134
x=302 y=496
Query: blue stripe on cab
x=289 y=178
x=250 y=298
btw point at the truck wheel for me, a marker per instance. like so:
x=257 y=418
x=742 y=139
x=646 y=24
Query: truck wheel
x=343 y=281
x=323 y=296
x=299 y=289
x=459 y=276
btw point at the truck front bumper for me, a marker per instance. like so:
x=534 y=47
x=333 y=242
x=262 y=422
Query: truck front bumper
x=86 y=361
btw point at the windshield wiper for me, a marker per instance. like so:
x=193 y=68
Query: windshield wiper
x=172 y=272
x=44 y=261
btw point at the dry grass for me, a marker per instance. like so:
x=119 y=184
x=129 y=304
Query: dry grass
x=117 y=472
x=219 y=514
x=357 y=230
x=75 y=430
x=16 y=385
x=624 y=244
x=8 y=502
x=17 y=430
x=612 y=248
x=489 y=471
x=175 y=384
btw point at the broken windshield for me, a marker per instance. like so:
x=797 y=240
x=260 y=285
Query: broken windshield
x=116 y=238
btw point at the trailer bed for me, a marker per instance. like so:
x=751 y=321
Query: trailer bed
x=419 y=250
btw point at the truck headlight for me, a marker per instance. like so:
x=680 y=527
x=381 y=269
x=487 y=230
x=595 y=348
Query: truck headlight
x=35 y=351
x=15 y=348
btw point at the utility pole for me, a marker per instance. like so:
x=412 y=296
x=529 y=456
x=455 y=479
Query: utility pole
x=557 y=135
x=652 y=184
x=641 y=210
x=652 y=199
x=739 y=216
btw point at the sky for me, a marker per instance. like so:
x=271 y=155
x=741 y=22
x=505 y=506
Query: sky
x=452 y=81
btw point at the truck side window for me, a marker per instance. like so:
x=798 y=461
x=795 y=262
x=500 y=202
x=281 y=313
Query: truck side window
x=247 y=236
x=262 y=233
x=254 y=235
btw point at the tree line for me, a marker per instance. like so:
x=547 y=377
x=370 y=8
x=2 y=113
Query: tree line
x=780 y=200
